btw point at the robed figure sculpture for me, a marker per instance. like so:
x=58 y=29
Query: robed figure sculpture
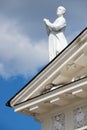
x=57 y=40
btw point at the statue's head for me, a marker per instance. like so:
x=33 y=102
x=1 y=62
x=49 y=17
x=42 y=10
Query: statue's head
x=60 y=10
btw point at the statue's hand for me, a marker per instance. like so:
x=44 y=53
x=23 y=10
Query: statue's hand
x=46 y=20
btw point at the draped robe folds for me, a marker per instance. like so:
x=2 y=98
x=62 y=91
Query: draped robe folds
x=57 y=40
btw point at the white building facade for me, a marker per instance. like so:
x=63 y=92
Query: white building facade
x=57 y=96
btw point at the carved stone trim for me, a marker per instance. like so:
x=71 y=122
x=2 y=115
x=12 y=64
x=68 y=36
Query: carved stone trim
x=80 y=117
x=59 y=122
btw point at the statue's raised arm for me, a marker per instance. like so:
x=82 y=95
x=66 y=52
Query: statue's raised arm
x=57 y=40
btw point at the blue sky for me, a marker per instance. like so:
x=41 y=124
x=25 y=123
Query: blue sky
x=24 y=48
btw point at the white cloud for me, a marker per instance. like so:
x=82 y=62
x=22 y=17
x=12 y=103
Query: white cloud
x=19 y=55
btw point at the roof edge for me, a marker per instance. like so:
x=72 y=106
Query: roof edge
x=8 y=102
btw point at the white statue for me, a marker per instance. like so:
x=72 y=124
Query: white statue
x=57 y=40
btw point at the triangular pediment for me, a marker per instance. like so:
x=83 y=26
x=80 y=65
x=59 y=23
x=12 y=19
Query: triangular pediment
x=68 y=66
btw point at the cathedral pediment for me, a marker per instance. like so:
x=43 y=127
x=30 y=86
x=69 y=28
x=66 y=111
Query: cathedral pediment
x=62 y=72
